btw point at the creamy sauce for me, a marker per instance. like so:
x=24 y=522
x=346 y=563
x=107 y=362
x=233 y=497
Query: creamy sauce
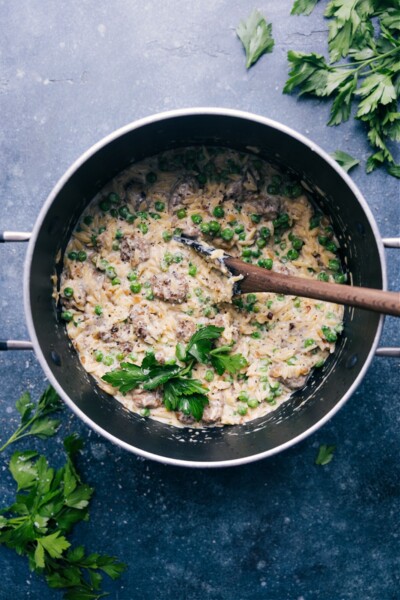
x=135 y=289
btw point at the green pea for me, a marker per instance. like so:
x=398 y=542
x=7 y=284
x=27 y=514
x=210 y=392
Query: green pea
x=120 y=356
x=266 y=263
x=265 y=233
x=309 y=342
x=111 y=272
x=205 y=228
x=115 y=246
x=167 y=236
x=271 y=400
x=108 y=360
x=143 y=227
x=251 y=298
x=209 y=375
x=88 y=220
x=114 y=198
x=329 y=334
x=181 y=213
x=256 y=253
x=98 y=310
x=340 y=277
x=151 y=177
x=261 y=243
x=242 y=410
x=118 y=234
x=252 y=403
x=72 y=255
x=132 y=276
x=218 y=212
x=177 y=257
x=334 y=264
x=227 y=234
x=319 y=363
x=292 y=254
x=239 y=229
x=323 y=276
x=115 y=281
x=155 y=216
x=214 y=227
x=123 y=211
x=145 y=412
x=243 y=396
x=242 y=236
x=282 y=245
x=82 y=256
x=159 y=206
x=67 y=315
x=331 y=246
x=314 y=221
x=197 y=219
x=98 y=355
x=192 y=270
x=105 y=205
x=323 y=240
x=297 y=243
x=246 y=252
x=255 y=218
x=135 y=288
x=281 y=221
x=256 y=335
x=149 y=295
x=68 y=292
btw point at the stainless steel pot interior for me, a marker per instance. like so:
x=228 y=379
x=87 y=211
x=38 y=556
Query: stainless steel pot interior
x=327 y=389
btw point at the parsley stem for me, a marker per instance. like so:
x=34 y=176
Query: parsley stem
x=366 y=61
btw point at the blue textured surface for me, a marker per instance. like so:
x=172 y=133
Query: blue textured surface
x=279 y=529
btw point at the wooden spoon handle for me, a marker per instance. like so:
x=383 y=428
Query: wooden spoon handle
x=257 y=279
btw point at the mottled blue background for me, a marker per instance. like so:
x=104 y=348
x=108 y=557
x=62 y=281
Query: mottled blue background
x=279 y=529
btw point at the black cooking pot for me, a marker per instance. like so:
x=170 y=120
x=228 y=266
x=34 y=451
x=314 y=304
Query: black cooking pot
x=327 y=389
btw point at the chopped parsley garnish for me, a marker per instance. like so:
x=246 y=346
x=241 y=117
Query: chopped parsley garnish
x=180 y=391
x=325 y=454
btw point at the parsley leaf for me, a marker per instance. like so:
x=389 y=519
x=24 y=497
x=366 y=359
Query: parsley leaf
x=200 y=343
x=370 y=77
x=34 y=419
x=256 y=36
x=49 y=502
x=346 y=161
x=223 y=361
x=303 y=7
x=325 y=454
x=180 y=391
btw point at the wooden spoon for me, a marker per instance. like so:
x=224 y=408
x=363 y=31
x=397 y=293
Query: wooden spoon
x=258 y=279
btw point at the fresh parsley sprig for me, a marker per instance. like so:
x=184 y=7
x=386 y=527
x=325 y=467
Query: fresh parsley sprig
x=49 y=502
x=256 y=36
x=325 y=454
x=180 y=391
x=34 y=417
x=371 y=77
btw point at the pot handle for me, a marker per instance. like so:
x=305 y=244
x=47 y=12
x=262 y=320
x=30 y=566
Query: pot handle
x=20 y=236
x=15 y=236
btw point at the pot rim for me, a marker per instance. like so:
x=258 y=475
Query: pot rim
x=104 y=142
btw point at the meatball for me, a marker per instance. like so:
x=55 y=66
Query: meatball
x=182 y=190
x=134 y=249
x=170 y=287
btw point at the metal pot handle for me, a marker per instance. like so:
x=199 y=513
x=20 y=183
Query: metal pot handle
x=20 y=236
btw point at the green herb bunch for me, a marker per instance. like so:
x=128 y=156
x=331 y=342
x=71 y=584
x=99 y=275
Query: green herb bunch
x=49 y=502
x=366 y=33
x=180 y=391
